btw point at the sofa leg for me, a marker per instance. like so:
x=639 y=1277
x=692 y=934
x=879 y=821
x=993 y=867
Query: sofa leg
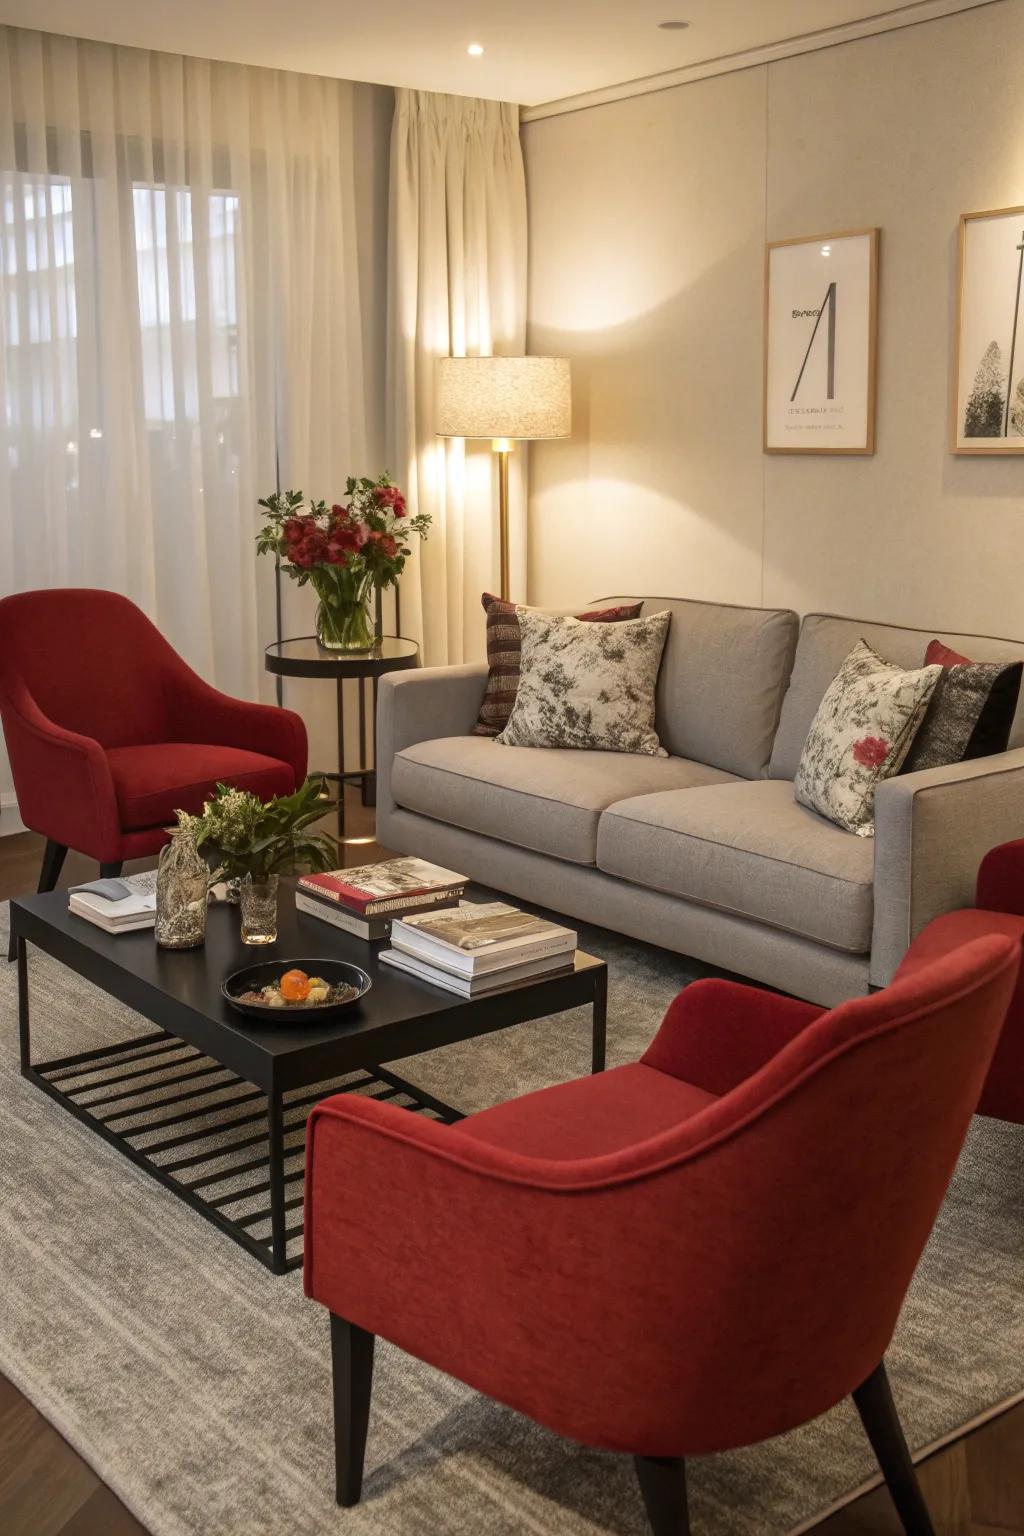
x=663 y=1484
x=352 y=1365
x=882 y=1424
x=111 y=870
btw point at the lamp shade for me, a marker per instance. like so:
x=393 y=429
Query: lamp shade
x=503 y=397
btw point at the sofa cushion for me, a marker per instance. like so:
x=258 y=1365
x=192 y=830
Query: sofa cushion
x=153 y=781
x=548 y=800
x=590 y=1116
x=749 y=849
x=722 y=680
x=826 y=640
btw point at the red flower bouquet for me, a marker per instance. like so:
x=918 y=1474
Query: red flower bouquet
x=344 y=551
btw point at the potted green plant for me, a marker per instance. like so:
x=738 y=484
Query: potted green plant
x=256 y=841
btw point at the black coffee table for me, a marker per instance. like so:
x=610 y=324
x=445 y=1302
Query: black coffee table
x=214 y=1106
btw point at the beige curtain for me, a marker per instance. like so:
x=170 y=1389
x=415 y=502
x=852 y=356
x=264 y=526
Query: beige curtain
x=456 y=285
x=187 y=309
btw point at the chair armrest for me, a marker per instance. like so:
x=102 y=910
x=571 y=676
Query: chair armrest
x=62 y=780
x=422 y=706
x=932 y=830
x=1000 y=885
x=718 y=1033
x=198 y=712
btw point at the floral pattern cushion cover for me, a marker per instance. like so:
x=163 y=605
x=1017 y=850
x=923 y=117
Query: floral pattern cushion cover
x=587 y=685
x=504 y=645
x=863 y=730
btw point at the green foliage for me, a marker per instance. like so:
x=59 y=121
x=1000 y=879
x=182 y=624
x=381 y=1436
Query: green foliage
x=249 y=836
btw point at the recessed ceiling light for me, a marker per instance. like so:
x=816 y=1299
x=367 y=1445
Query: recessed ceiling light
x=826 y=250
x=475 y=50
x=673 y=26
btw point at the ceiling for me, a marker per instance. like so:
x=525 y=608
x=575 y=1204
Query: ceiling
x=534 y=50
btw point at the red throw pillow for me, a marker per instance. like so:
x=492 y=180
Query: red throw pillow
x=971 y=711
x=504 y=648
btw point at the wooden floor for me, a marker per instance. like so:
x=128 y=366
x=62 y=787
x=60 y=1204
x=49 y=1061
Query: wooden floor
x=974 y=1487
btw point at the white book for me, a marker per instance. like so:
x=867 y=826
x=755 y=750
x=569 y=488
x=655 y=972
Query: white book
x=475 y=938
x=474 y=986
x=131 y=925
x=339 y=917
x=113 y=914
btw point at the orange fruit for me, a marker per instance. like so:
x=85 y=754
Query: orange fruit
x=294 y=986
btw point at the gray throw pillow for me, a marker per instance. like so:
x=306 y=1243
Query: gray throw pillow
x=863 y=730
x=587 y=685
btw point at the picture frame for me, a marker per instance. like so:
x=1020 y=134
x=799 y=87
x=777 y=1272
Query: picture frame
x=987 y=395
x=821 y=343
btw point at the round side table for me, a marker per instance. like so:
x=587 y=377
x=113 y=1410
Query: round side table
x=306 y=657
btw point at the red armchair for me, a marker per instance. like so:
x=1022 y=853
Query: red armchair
x=109 y=732
x=999 y=909
x=685 y=1255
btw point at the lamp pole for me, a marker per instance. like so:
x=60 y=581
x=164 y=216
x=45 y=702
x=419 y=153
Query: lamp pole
x=503 y=446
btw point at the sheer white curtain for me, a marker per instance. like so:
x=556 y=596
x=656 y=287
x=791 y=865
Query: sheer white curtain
x=456 y=284
x=181 y=320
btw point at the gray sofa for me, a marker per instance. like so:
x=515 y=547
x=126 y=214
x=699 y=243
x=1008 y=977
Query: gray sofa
x=705 y=852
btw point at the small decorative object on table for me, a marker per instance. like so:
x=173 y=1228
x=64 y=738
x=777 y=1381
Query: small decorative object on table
x=182 y=890
x=344 y=552
x=255 y=841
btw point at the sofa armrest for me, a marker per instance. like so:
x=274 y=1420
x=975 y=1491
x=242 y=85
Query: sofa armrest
x=199 y=712
x=718 y=1033
x=932 y=830
x=422 y=706
x=62 y=780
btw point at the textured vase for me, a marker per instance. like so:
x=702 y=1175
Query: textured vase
x=182 y=886
x=258 y=903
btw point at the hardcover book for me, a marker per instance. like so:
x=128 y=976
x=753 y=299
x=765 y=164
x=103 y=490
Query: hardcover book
x=392 y=886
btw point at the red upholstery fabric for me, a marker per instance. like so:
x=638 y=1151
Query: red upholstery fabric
x=716 y=1033
x=590 y=1116
x=714 y=1283
x=84 y=673
x=151 y=782
x=1003 y=1093
x=1001 y=879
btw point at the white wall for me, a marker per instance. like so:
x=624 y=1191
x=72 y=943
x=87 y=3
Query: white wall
x=648 y=219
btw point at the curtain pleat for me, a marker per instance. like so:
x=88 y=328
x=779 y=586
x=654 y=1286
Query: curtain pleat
x=456 y=285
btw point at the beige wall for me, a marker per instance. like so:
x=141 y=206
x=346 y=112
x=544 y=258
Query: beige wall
x=647 y=225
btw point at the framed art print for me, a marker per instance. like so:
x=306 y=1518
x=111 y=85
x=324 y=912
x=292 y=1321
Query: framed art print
x=820 y=324
x=988 y=388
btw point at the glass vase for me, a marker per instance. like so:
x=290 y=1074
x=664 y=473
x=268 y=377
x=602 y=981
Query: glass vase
x=182 y=888
x=258 y=903
x=343 y=618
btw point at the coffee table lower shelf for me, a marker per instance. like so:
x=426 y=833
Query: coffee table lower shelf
x=212 y=1138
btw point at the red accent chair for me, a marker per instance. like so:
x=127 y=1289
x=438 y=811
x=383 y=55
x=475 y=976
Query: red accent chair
x=681 y=1256
x=999 y=908
x=109 y=732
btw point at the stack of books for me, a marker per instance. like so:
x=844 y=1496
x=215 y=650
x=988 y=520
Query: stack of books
x=479 y=947
x=364 y=901
x=118 y=906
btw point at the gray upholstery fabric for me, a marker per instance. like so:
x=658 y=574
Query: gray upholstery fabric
x=417 y=706
x=826 y=641
x=748 y=849
x=932 y=829
x=723 y=676
x=752 y=950
x=545 y=798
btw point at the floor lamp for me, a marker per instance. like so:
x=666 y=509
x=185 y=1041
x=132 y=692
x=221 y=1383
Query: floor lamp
x=509 y=400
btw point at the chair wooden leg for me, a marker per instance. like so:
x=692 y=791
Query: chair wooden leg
x=352 y=1364
x=112 y=870
x=53 y=863
x=663 y=1485
x=882 y=1424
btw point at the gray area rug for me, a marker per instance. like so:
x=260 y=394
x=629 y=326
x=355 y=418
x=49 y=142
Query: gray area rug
x=197 y=1384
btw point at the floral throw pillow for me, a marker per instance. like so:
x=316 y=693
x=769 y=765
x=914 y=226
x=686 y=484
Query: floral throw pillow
x=863 y=730
x=504 y=644
x=587 y=685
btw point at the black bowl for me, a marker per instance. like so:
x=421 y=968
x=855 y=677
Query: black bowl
x=253 y=977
